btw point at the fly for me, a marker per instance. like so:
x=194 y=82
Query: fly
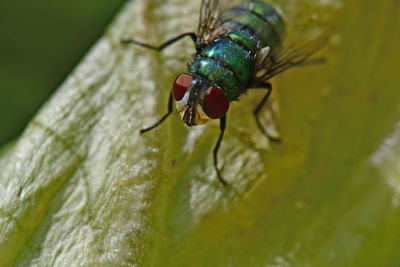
x=236 y=49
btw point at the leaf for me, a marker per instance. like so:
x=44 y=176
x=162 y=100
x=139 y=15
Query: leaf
x=82 y=187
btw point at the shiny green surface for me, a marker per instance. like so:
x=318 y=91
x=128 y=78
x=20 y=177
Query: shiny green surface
x=82 y=188
x=244 y=38
x=216 y=73
x=261 y=18
x=232 y=55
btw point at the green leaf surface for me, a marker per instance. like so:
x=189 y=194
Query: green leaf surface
x=81 y=187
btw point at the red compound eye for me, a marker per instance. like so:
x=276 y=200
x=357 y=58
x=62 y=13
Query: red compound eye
x=180 y=85
x=215 y=103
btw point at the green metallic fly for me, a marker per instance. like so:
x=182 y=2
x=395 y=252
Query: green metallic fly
x=236 y=49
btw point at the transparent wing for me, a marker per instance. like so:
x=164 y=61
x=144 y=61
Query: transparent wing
x=268 y=66
x=210 y=20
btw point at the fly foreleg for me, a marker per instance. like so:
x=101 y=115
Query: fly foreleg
x=163 y=117
x=163 y=45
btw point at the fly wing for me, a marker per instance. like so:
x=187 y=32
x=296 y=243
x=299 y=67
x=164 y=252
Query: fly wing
x=209 y=18
x=269 y=66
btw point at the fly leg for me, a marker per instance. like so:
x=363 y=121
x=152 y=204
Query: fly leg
x=160 y=48
x=257 y=110
x=222 y=124
x=162 y=118
x=164 y=45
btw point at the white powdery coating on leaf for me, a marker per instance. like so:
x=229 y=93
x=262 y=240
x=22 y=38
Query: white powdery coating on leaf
x=387 y=159
x=193 y=135
x=289 y=259
x=79 y=180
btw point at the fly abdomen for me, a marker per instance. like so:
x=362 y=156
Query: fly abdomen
x=255 y=25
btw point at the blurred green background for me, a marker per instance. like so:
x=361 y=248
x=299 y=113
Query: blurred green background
x=41 y=42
